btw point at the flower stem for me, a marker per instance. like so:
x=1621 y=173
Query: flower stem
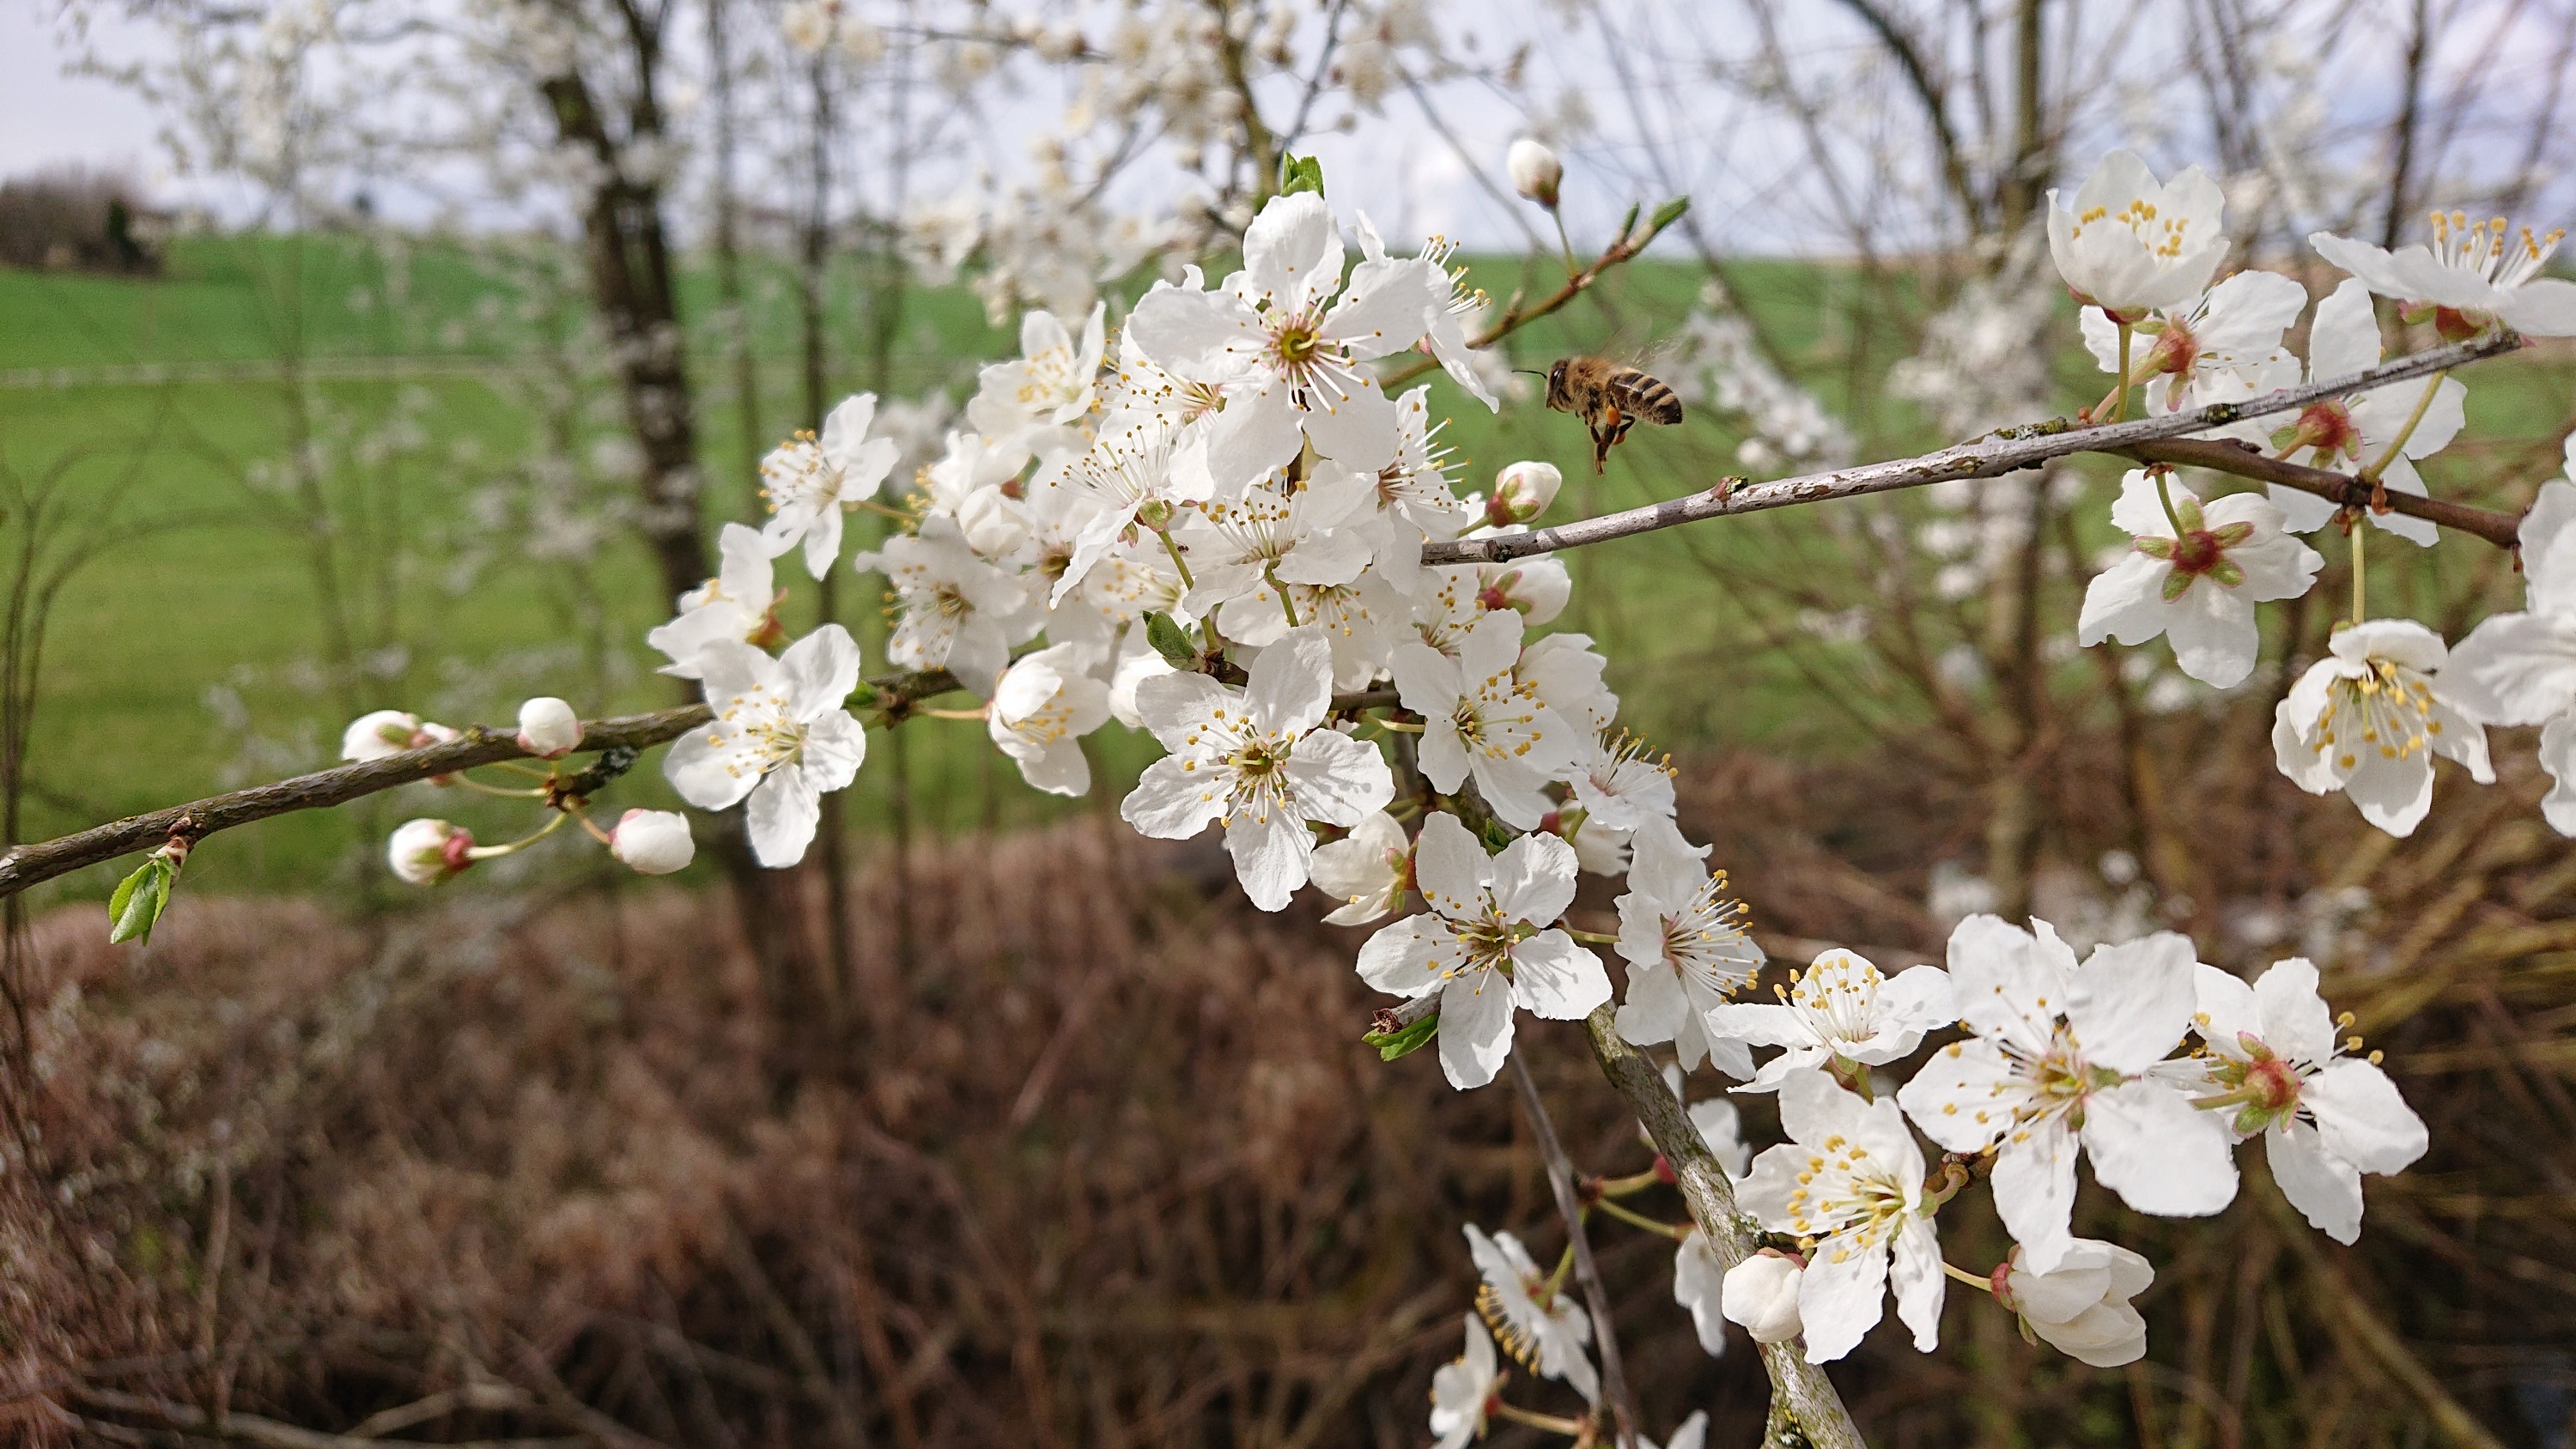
x=2360 y=570
x=470 y=783
x=488 y=852
x=1637 y=1219
x=1980 y=1283
x=1178 y=562
x=2396 y=445
x=602 y=836
x=2164 y=495
x=1565 y=242
x=1272 y=574
x=1634 y=1182
x=2120 y=394
x=1536 y=1420
x=1591 y=938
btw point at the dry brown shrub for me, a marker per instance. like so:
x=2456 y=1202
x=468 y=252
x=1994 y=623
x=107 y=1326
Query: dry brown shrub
x=1102 y=1161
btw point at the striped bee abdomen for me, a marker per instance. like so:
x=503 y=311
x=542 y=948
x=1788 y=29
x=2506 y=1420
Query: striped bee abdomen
x=1646 y=396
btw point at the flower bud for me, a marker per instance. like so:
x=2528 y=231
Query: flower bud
x=1522 y=492
x=548 y=729
x=425 y=852
x=1535 y=171
x=862 y=42
x=390 y=732
x=2082 y=1307
x=652 y=842
x=1761 y=1293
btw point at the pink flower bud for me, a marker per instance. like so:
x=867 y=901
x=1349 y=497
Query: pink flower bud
x=1522 y=492
x=1535 y=171
x=425 y=852
x=653 y=842
x=548 y=728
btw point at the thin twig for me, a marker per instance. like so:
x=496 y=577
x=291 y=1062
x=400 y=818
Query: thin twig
x=28 y=865
x=1560 y=1181
x=1517 y=316
x=2012 y=450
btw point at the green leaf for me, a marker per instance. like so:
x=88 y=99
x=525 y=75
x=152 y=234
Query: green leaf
x=139 y=900
x=1300 y=173
x=1628 y=223
x=1668 y=213
x=1171 y=641
x=1409 y=1038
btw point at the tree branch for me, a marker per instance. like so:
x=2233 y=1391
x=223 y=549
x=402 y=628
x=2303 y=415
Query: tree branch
x=1805 y=1409
x=2014 y=449
x=1516 y=316
x=1560 y=1181
x=28 y=865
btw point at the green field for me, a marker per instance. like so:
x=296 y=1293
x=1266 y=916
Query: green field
x=197 y=649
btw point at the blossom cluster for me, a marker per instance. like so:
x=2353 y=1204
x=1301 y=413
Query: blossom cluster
x=1209 y=524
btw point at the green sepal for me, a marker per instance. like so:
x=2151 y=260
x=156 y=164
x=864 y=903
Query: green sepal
x=1171 y=641
x=2177 y=583
x=139 y=900
x=864 y=696
x=1666 y=214
x=1411 y=1037
x=1301 y=173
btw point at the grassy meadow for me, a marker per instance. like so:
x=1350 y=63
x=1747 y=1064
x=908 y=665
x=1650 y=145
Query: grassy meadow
x=199 y=647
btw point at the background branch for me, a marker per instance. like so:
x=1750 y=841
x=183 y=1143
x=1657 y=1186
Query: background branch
x=1605 y=1329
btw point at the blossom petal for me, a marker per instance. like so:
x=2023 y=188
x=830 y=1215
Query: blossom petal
x=1534 y=879
x=2131 y=1003
x=1475 y=1028
x=1338 y=780
x=2362 y=1118
x=1450 y=867
x=1557 y=979
x=706 y=775
x=2323 y=1187
x=781 y=816
x=1172 y=801
x=2034 y=1187
x=1270 y=856
x=2158 y=1152
x=1841 y=1296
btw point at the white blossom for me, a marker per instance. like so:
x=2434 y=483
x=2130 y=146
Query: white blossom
x=2519 y=668
x=2197 y=586
x=1287 y=330
x=1536 y=1320
x=954 y=611
x=2054 y=1045
x=2236 y=324
x=2348 y=433
x=1368 y=870
x=2129 y=244
x=2368 y=720
x=1761 y=1294
x=1839 y=1010
x=1851 y=1178
x=2480 y=274
x=1258 y=760
x=780 y=737
x=2325 y=1118
x=426 y=852
x=2081 y=1308
x=809 y=482
x=1462 y=1388
x=738 y=603
x=1043 y=706
x=1687 y=949
x=1534 y=170
x=384 y=732
x=1473 y=947
x=1481 y=718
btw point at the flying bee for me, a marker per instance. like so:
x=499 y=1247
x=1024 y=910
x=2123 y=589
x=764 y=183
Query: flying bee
x=1610 y=397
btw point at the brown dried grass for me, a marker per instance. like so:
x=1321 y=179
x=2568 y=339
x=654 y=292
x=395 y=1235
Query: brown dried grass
x=1100 y=1160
